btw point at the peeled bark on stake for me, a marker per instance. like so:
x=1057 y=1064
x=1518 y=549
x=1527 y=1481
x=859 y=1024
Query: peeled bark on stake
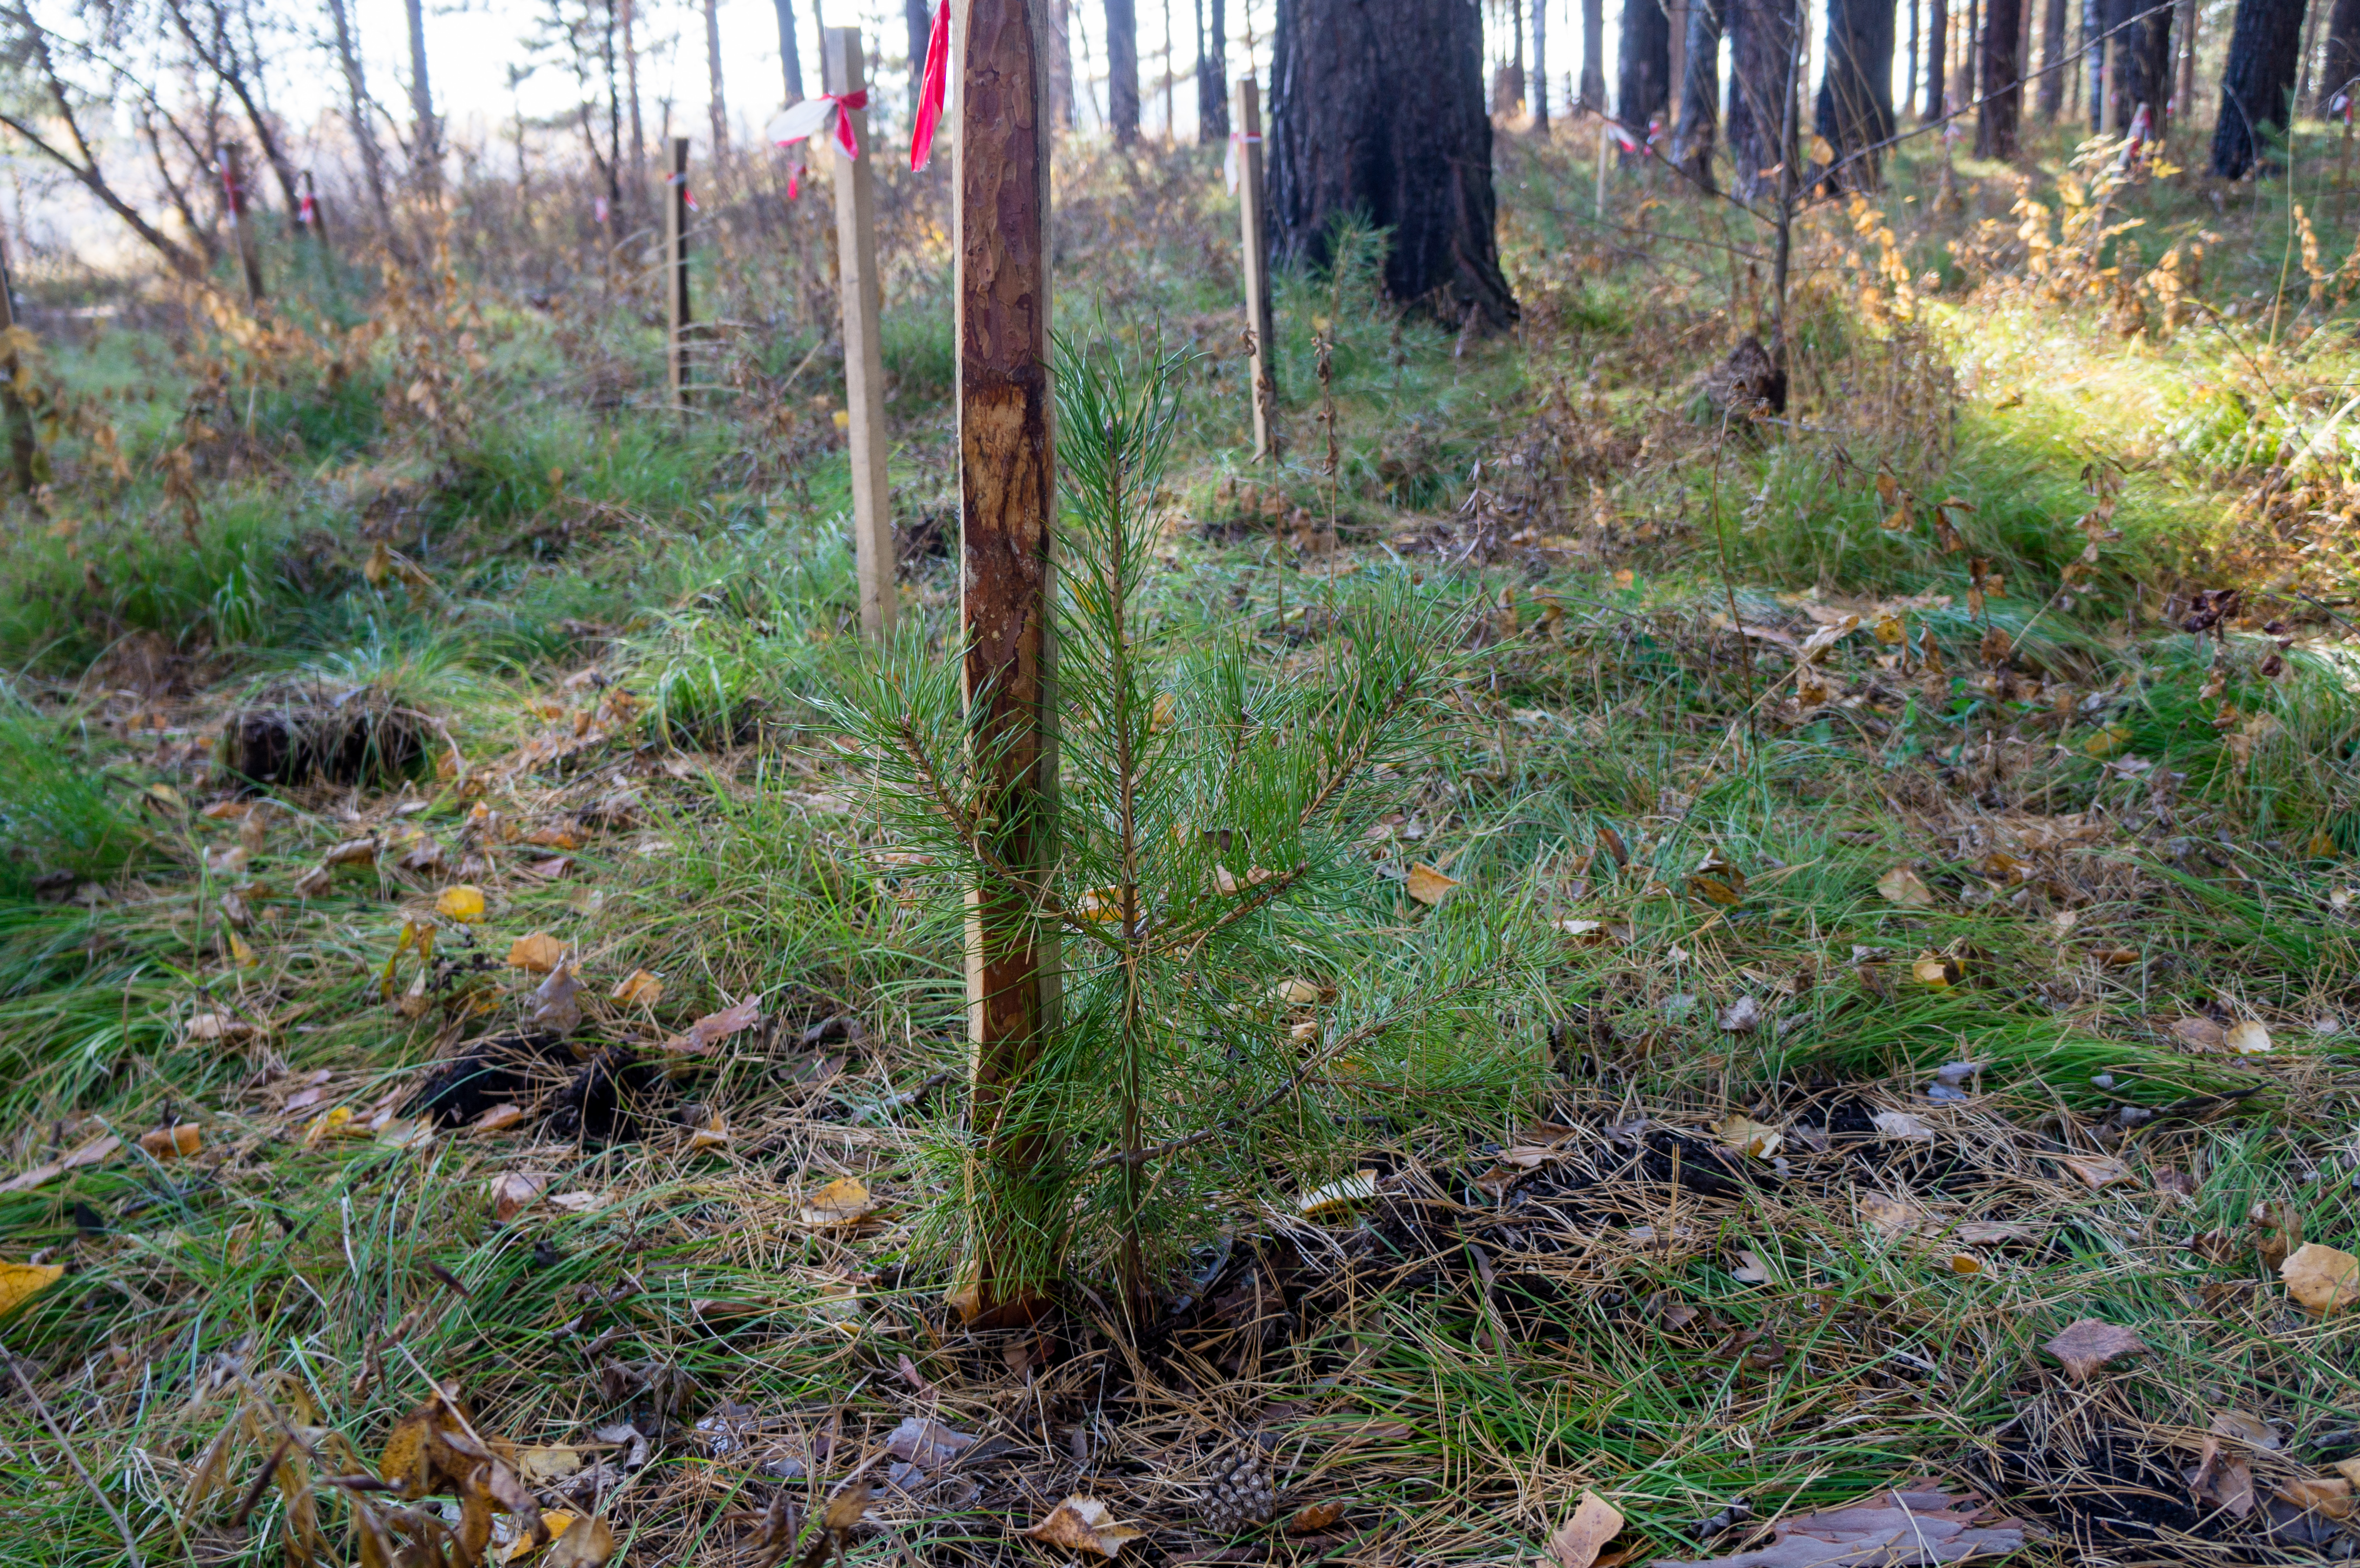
x=676 y=314
x=861 y=291
x=1006 y=491
x=233 y=179
x=1253 y=221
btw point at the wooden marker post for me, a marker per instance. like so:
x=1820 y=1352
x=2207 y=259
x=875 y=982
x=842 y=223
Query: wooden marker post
x=232 y=177
x=1245 y=132
x=676 y=275
x=862 y=293
x=999 y=93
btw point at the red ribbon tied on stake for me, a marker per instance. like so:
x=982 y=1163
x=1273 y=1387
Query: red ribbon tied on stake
x=812 y=116
x=933 y=89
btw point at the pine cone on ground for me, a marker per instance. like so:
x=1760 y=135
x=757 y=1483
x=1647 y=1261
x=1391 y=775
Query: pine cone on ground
x=1242 y=1494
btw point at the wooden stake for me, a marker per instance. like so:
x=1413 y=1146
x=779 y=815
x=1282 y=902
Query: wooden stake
x=22 y=449
x=1602 y=167
x=862 y=293
x=313 y=216
x=1253 y=224
x=232 y=177
x=1007 y=495
x=676 y=274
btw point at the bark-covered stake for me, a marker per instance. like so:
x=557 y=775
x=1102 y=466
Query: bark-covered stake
x=675 y=270
x=1007 y=486
x=1254 y=220
x=861 y=291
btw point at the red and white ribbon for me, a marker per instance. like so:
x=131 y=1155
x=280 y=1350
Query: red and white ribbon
x=305 y=215
x=812 y=116
x=933 y=89
x=598 y=208
x=687 y=197
x=1229 y=164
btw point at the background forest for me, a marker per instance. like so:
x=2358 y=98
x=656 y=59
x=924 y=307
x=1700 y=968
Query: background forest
x=1710 y=919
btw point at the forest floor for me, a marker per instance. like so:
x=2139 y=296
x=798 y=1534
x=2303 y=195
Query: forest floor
x=1931 y=816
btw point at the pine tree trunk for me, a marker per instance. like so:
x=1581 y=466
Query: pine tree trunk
x=1971 y=56
x=631 y=85
x=356 y=112
x=1213 y=77
x=1938 y=31
x=2342 y=64
x=791 y=59
x=1700 y=93
x=428 y=164
x=1855 y=106
x=1760 y=40
x=1123 y=70
x=1377 y=107
x=1540 y=66
x=1593 y=56
x=1643 y=80
x=2003 y=87
x=2093 y=30
x=2052 y=95
x=1909 y=77
x=2145 y=73
x=2263 y=43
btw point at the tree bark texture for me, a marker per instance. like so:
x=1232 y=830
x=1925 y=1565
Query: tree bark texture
x=1643 y=80
x=2002 y=75
x=1692 y=133
x=1377 y=107
x=2342 y=66
x=2142 y=71
x=2050 y=96
x=421 y=104
x=1540 y=66
x=1855 y=105
x=1938 y=37
x=1761 y=34
x=1213 y=77
x=357 y=115
x=1123 y=70
x=2263 y=42
x=791 y=57
x=719 y=106
x=1007 y=497
x=1593 y=56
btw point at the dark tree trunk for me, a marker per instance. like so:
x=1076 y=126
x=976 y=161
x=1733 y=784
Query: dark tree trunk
x=1643 y=80
x=2094 y=28
x=1593 y=56
x=2342 y=63
x=2263 y=43
x=1213 y=78
x=1909 y=76
x=1970 y=87
x=2142 y=72
x=1855 y=106
x=1938 y=38
x=918 y=22
x=1123 y=70
x=1760 y=41
x=1540 y=66
x=2002 y=85
x=1700 y=93
x=791 y=59
x=2051 y=96
x=1376 y=107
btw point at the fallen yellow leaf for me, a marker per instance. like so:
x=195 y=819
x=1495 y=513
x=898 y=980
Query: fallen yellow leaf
x=2324 y=1278
x=843 y=1202
x=167 y=1143
x=20 y=1282
x=1577 y=1542
x=1083 y=1524
x=1359 y=1187
x=637 y=987
x=463 y=903
x=1904 y=886
x=1749 y=1137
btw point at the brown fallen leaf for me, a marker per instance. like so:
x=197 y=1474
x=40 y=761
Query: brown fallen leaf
x=172 y=1142
x=513 y=1191
x=1898 y=1529
x=638 y=986
x=539 y=952
x=554 y=1006
x=2323 y=1279
x=843 y=1202
x=1890 y=1218
x=1428 y=885
x=218 y=1026
x=1083 y=1524
x=1314 y=1517
x=699 y=1036
x=1748 y=1137
x=499 y=1117
x=554 y=1522
x=1904 y=886
x=2200 y=1032
x=2096 y=1170
x=87 y=1153
x=587 y=1543
x=2327 y=1495
x=1577 y=1542
x=351 y=852
x=2085 y=1346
